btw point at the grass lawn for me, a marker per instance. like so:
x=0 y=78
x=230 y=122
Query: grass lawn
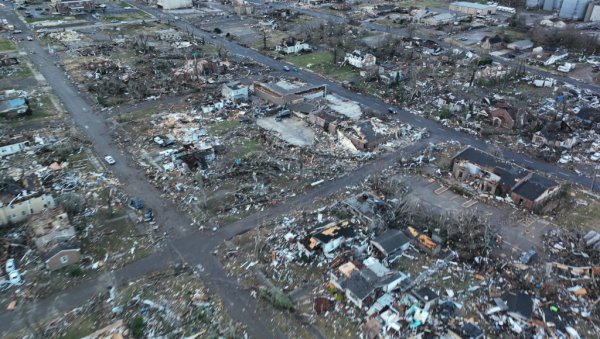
x=222 y=127
x=80 y=328
x=42 y=108
x=137 y=15
x=6 y=45
x=581 y=215
x=50 y=18
x=123 y=4
x=321 y=62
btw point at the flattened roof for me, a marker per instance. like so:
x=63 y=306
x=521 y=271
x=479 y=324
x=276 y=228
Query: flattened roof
x=471 y=5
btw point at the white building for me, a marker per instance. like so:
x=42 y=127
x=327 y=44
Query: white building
x=360 y=60
x=174 y=4
x=20 y=211
x=292 y=49
x=235 y=91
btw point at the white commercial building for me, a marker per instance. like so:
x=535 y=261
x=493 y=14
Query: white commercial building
x=174 y=4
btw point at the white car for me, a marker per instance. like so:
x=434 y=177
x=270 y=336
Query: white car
x=15 y=278
x=10 y=265
x=110 y=160
x=595 y=156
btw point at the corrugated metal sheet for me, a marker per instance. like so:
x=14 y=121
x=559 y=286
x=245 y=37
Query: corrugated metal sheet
x=573 y=9
x=548 y=5
x=534 y=3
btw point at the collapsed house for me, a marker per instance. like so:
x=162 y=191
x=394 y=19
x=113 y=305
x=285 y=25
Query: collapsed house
x=495 y=177
x=17 y=209
x=555 y=134
x=361 y=136
x=327 y=238
x=55 y=238
x=235 y=91
x=360 y=60
x=361 y=286
x=13 y=108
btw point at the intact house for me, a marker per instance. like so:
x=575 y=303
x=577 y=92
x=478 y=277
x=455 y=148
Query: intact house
x=55 y=238
x=19 y=209
x=292 y=46
x=391 y=244
x=235 y=91
x=283 y=92
x=360 y=60
x=488 y=174
x=534 y=191
x=555 y=134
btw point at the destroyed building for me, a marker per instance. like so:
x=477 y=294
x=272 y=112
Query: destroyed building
x=17 y=209
x=391 y=244
x=13 y=108
x=327 y=238
x=55 y=238
x=533 y=191
x=235 y=91
x=493 y=176
x=361 y=136
x=284 y=92
x=486 y=172
x=360 y=60
x=555 y=134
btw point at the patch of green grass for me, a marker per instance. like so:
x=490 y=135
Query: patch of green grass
x=50 y=18
x=25 y=71
x=322 y=63
x=41 y=109
x=222 y=127
x=7 y=45
x=123 y=4
x=137 y=15
x=581 y=215
x=244 y=148
x=80 y=328
x=136 y=115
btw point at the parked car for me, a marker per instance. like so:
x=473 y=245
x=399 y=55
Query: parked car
x=392 y=110
x=15 y=278
x=528 y=256
x=148 y=215
x=10 y=265
x=285 y=68
x=136 y=203
x=110 y=160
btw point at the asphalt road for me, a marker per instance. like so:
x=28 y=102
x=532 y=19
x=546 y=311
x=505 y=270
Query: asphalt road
x=403 y=33
x=437 y=131
x=186 y=242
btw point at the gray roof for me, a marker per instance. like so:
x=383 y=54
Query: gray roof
x=471 y=5
x=361 y=283
x=391 y=240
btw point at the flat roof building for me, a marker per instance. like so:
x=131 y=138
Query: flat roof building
x=472 y=8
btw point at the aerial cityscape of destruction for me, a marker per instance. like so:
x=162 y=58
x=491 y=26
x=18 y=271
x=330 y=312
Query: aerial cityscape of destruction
x=299 y=169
